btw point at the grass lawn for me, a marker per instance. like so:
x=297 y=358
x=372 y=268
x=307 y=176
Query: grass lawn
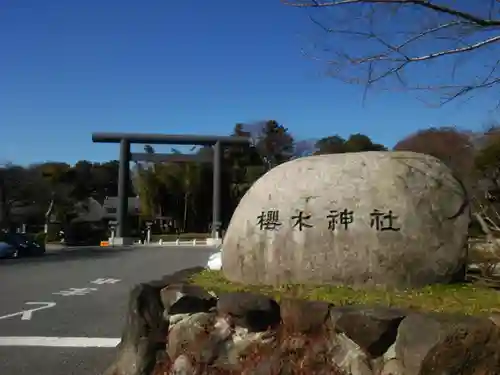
x=467 y=299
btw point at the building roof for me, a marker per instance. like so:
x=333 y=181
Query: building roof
x=110 y=206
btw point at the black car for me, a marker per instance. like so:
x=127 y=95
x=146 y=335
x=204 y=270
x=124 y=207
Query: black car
x=24 y=245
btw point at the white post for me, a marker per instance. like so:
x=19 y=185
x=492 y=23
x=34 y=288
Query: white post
x=177 y=241
x=148 y=235
x=112 y=237
x=160 y=242
x=194 y=242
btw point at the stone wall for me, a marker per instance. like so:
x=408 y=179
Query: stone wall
x=177 y=328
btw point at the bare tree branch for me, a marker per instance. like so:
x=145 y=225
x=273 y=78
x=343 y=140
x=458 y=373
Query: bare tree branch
x=390 y=40
x=423 y=3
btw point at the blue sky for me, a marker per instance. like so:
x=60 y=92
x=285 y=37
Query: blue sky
x=68 y=68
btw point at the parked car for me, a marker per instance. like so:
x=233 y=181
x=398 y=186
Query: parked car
x=7 y=250
x=23 y=245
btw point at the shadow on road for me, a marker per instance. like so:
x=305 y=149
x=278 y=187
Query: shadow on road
x=69 y=254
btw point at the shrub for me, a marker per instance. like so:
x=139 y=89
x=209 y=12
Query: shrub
x=40 y=237
x=485 y=255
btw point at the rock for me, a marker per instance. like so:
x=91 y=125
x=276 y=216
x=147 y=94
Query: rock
x=145 y=331
x=308 y=354
x=373 y=329
x=436 y=344
x=182 y=366
x=241 y=347
x=206 y=341
x=303 y=316
x=294 y=225
x=163 y=365
x=349 y=356
x=185 y=299
x=193 y=336
x=495 y=318
x=392 y=367
x=295 y=337
x=252 y=311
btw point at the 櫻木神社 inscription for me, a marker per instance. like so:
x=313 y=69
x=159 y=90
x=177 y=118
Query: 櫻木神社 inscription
x=301 y=221
x=269 y=220
x=340 y=218
x=363 y=219
x=381 y=221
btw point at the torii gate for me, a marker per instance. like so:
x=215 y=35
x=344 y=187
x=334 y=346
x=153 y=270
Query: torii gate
x=126 y=139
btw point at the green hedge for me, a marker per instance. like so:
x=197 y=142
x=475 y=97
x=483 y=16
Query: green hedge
x=40 y=237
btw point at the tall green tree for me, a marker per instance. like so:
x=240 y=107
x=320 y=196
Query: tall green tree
x=147 y=186
x=355 y=143
x=243 y=163
x=190 y=177
x=272 y=141
x=185 y=178
x=334 y=144
x=105 y=180
x=360 y=142
x=19 y=187
x=61 y=181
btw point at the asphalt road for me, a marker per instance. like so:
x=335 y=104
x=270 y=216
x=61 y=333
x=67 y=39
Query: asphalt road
x=80 y=293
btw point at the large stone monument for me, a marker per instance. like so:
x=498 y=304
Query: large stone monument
x=394 y=219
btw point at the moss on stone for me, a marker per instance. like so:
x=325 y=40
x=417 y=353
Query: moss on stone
x=464 y=298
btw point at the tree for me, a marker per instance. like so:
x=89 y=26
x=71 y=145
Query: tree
x=487 y=163
x=185 y=177
x=17 y=188
x=190 y=180
x=105 y=180
x=243 y=164
x=360 y=142
x=392 y=43
x=147 y=184
x=462 y=152
x=331 y=145
x=271 y=140
x=271 y=144
x=355 y=143
x=168 y=188
x=83 y=184
x=60 y=179
x=488 y=158
x=304 y=147
x=4 y=208
x=453 y=147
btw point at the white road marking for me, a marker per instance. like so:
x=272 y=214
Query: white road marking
x=66 y=342
x=105 y=281
x=75 y=292
x=27 y=314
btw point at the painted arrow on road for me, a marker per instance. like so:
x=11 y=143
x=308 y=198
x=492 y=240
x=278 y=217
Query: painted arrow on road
x=27 y=314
